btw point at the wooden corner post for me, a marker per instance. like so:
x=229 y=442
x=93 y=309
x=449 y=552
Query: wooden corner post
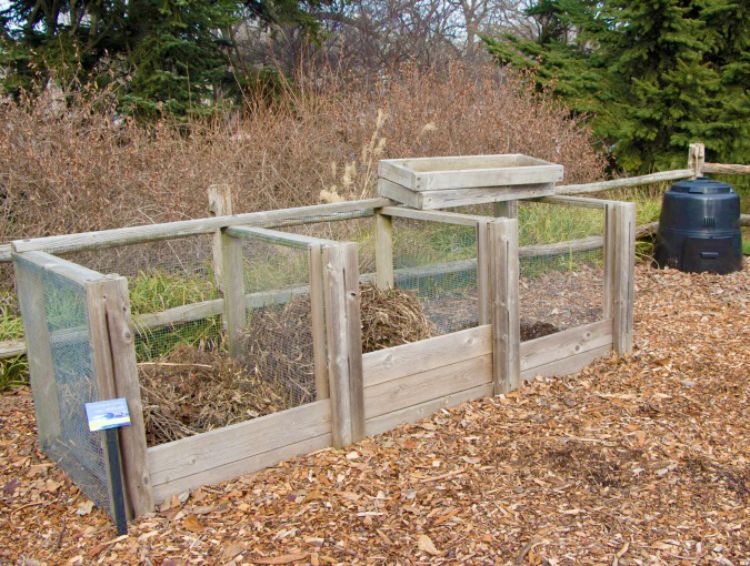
x=233 y=285
x=125 y=369
x=344 y=342
x=697 y=159
x=383 y=250
x=621 y=276
x=219 y=204
x=506 y=327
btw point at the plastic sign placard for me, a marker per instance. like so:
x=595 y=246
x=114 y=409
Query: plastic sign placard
x=112 y=413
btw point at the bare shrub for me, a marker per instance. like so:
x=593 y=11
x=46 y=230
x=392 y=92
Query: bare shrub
x=321 y=140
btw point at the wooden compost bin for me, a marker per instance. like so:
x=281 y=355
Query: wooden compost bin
x=358 y=395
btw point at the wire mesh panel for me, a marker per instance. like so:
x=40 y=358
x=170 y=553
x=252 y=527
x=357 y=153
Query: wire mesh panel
x=277 y=342
x=438 y=263
x=561 y=267
x=63 y=376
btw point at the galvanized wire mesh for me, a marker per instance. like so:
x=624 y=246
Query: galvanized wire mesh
x=438 y=262
x=561 y=267
x=278 y=343
x=78 y=450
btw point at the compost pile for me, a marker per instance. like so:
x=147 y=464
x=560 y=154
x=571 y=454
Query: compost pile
x=192 y=391
x=277 y=345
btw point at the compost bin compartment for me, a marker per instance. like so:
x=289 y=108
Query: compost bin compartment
x=699 y=228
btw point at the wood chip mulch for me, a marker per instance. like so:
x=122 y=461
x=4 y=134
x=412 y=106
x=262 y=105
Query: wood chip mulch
x=644 y=460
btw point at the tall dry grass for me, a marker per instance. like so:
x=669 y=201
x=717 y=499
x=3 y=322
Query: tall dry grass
x=320 y=140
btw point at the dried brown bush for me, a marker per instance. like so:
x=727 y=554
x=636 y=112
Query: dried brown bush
x=321 y=140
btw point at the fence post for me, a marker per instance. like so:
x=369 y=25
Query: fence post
x=506 y=328
x=622 y=278
x=484 y=285
x=219 y=204
x=235 y=310
x=132 y=438
x=697 y=159
x=317 y=321
x=383 y=250
x=506 y=209
x=344 y=341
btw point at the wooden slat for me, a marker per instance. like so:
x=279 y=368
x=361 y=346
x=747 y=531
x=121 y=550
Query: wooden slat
x=432 y=384
x=223 y=446
x=170 y=230
x=133 y=437
x=625 y=182
x=235 y=311
x=414 y=413
x=610 y=237
x=697 y=159
x=506 y=325
x=289 y=239
x=317 y=322
x=418 y=357
x=383 y=250
x=42 y=261
x=727 y=169
x=506 y=209
x=623 y=278
x=354 y=337
x=431 y=200
x=571 y=364
x=556 y=347
x=433 y=216
x=399 y=193
x=219 y=204
x=238 y=468
x=12 y=348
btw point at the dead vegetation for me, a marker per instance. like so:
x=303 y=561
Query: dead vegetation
x=636 y=461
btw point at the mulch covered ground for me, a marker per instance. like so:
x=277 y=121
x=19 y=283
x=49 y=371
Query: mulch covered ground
x=637 y=461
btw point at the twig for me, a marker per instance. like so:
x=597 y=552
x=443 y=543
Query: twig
x=173 y=364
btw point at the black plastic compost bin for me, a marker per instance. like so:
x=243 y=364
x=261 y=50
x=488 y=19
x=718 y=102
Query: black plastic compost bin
x=699 y=228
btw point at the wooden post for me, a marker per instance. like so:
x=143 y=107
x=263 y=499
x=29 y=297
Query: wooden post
x=137 y=479
x=317 y=320
x=623 y=277
x=484 y=284
x=383 y=250
x=506 y=327
x=506 y=209
x=219 y=204
x=697 y=159
x=235 y=310
x=343 y=333
x=609 y=258
x=30 y=293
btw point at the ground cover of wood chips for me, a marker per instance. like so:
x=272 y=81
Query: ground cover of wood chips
x=644 y=460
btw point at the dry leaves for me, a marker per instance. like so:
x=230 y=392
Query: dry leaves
x=636 y=461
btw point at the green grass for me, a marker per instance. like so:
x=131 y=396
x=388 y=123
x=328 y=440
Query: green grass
x=746 y=248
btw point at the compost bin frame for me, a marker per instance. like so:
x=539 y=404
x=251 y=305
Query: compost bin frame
x=367 y=394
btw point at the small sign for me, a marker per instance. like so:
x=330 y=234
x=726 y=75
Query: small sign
x=112 y=413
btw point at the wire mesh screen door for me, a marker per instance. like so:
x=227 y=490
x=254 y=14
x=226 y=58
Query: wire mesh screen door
x=70 y=364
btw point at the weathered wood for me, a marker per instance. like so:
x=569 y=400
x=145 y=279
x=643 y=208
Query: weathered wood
x=219 y=204
x=45 y=262
x=419 y=357
x=418 y=388
x=569 y=365
x=414 y=413
x=216 y=448
x=610 y=237
x=727 y=169
x=6 y=252
x=433 y=216
x=484 y=285
x=317 y=321
x=338 y=305
x=625 y=182
x=232 y=470
x=383 y=250
x=506 y=326
x=277 y=237
x=132 y=438
x=172 y=230
x=12 y=348
x=30 y=292
x=235 y=311
x=434 y=200
x=506 y=209
x=556 y=347
x=468 y=172
x=354 y=336
x=623 y=278
x=697 y=159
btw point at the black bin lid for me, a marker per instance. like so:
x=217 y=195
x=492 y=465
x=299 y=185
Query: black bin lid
x=701 y=186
